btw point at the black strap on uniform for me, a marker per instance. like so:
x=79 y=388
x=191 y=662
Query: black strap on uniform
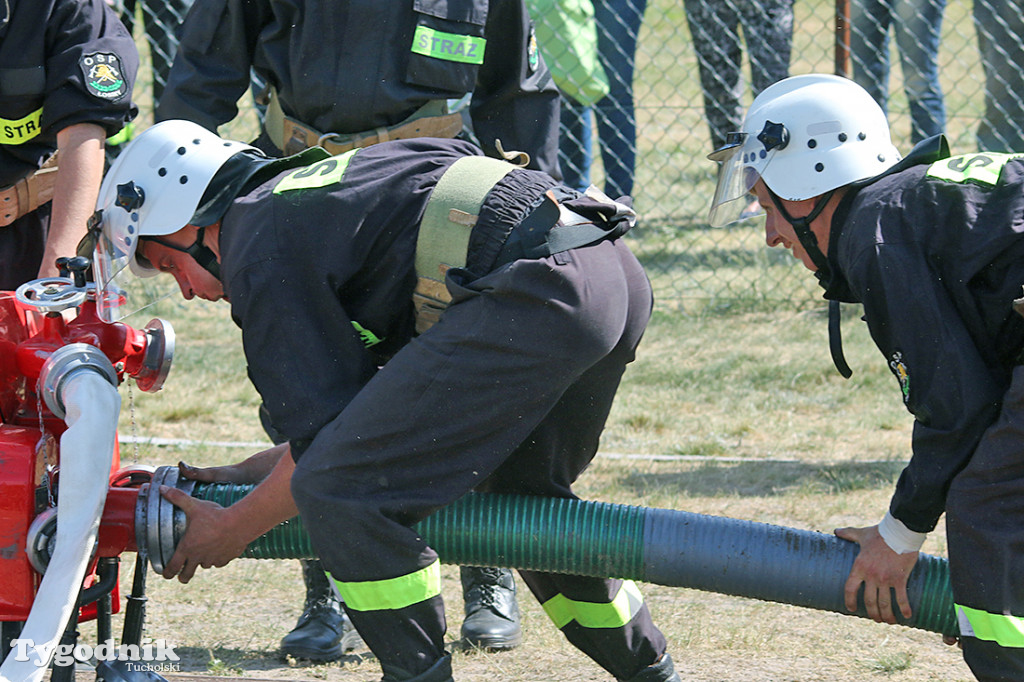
x=200 y=253
x=802 y=227
x=549 y=229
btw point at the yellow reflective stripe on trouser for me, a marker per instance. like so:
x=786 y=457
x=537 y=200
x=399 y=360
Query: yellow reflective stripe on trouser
x=392 y=593
x=21 y=130
x=562 y=610
x=1002 y=629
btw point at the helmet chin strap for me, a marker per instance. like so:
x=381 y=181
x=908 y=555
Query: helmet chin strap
x=802 y=227
x=200 y=253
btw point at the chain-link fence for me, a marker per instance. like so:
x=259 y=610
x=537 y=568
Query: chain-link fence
x=676 y=93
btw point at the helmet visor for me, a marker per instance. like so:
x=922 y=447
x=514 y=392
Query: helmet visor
x=110 y=268
x=741 y=161
x=120 y=291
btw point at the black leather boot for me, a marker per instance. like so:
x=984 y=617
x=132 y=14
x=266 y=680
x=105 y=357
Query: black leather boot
x=323 y=633
x=662 y=671
x=492 y=614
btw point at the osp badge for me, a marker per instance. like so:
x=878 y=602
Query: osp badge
x=900 y=370
x=102 y=72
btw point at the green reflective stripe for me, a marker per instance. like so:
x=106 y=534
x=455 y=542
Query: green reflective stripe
x=393 y=593
x=368 y=337
x=1003 y=629
x=562 y=610
x=320 y=174
x=452 y=47
x=984 y=168
x=122 y=136
x=21 y=130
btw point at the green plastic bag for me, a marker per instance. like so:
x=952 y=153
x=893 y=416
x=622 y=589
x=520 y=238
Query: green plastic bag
x=567 y=37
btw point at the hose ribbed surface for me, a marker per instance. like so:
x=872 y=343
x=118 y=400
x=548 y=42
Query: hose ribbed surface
x=541 y=534
x=534 y=533
x=775 y=563
x=662 y=546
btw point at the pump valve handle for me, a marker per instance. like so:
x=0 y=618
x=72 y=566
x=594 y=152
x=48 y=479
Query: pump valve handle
x=51 y=294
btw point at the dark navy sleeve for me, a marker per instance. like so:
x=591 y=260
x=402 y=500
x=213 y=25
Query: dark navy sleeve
x=211 y=69
x=945 y=383
x=515 y=99
x=91 y=66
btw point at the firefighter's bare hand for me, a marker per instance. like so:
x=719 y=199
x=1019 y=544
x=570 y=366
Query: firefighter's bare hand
x=232 y=473
x=209 y=538
x=882 y=572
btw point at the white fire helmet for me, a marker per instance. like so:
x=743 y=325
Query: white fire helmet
x=803 y=136
x=153 y=188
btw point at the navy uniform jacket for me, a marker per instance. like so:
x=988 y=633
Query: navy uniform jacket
x=318 y=263
x=935 y=253
x=61 y=62
x=349 y=66
x=301 y=262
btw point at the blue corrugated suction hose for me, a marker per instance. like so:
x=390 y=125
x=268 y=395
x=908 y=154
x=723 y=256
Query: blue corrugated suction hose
x=661 y=546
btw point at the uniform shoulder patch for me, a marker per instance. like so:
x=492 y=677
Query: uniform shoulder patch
x=103 y=75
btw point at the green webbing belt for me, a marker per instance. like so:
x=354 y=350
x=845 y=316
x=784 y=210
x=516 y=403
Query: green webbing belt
x=451 y=213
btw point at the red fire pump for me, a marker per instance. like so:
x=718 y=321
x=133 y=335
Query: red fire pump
x=39 y=348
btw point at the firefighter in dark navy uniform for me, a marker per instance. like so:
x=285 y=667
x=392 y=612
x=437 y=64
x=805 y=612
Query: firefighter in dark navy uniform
x=346 y=74
x=66 y=74
x=933 y=247
x=350 y=73
x=418 y=318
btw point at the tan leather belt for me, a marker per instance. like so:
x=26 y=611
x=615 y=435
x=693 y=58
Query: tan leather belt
x=29 y=193
x=292 y=136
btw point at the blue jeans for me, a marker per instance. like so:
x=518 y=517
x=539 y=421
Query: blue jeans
x=917 y=26
x=618 y=24
x=1000 y=29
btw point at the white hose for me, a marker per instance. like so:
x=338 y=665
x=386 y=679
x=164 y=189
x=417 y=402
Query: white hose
x=86 y=452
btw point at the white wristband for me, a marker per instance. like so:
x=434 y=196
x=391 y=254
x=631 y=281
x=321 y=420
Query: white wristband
x=900 y=539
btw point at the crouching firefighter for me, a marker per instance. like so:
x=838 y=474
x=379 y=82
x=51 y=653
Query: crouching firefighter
x=932 y=246
x=419 y=320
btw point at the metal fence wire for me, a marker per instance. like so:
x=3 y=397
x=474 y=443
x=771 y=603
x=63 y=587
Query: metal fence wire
x=651 y=86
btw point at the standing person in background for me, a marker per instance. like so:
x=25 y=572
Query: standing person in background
x=618 y=29
x=392 y=71
x=391 y=82
x=917 y=27
x=160 y=22
x=67 y=68
x=715 y=28
x=1000 y=28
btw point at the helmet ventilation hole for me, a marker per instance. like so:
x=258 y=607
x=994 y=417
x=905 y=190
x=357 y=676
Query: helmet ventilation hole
x=819 y=167
x=162 y=172
x=842 y=137
x=812 y=143
x=862 y=136
x=183 y=179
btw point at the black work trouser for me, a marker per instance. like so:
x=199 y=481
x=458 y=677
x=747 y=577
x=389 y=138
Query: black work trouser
x=22 y=244
x=985 y=528
x=512 y=386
